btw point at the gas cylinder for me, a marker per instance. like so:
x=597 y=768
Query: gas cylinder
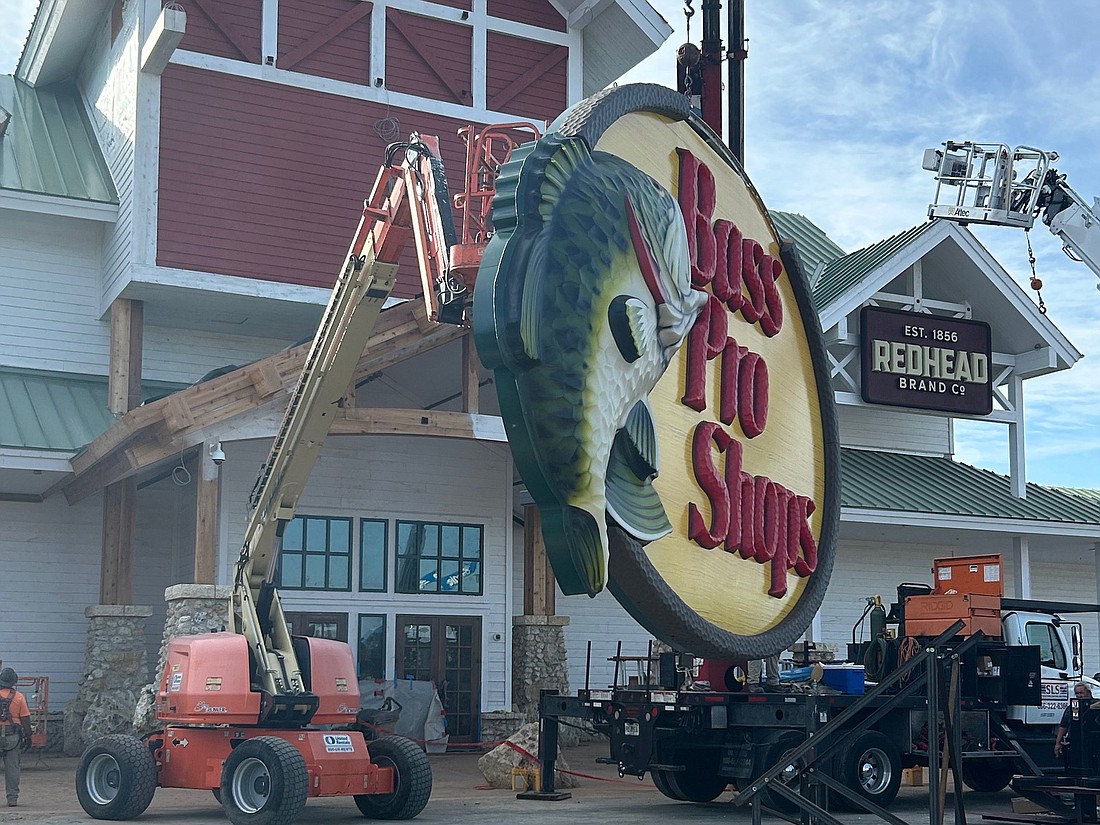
x=878 y=619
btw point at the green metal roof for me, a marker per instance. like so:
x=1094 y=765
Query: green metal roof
x=48 y=146
x=813 y=245
x=842 y=274
x=927 y=484
x=56 y=411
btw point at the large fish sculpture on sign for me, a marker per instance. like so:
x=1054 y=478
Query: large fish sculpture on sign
x=582 y=300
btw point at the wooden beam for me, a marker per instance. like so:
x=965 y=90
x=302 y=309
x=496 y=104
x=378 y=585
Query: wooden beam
x=124 y=370
x=441 y=424
x=471 y=376
x=116 y=572
x=206 y=517
x=150 y=433
x=539 y=597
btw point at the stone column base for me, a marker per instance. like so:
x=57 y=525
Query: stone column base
x=114 y=671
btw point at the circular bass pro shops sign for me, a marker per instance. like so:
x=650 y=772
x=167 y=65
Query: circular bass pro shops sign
x=662 y=376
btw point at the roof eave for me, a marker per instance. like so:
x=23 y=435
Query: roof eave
x=58 y=39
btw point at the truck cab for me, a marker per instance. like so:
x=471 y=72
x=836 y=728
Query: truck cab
x=1060 y=658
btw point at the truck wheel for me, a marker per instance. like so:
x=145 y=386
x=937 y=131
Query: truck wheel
x=871 y=767
x=116 y=778
x=987 y=775
x=264 y=782
x=662 y=782
x=700 y=781
x=412 y=780
x=770 y=754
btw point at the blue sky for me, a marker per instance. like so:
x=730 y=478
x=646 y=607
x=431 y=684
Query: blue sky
x=841 y=100
x=843 y=97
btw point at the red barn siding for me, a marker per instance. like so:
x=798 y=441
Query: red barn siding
x=224 y=28
x=533 y=12
x=264 y=181
x=429 y=58
x=525 y=77
x=327 y=38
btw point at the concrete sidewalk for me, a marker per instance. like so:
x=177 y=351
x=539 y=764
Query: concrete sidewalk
x=459 y=795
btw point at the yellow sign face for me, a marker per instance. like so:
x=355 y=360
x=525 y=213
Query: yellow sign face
x=727 y=590
x=663 y=377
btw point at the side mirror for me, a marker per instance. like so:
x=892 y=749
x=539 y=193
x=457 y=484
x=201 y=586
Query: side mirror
x=1078 y=649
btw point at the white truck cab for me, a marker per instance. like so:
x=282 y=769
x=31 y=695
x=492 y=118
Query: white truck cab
x=1060 y=656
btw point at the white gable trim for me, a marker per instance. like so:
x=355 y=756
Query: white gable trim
x=911 y=253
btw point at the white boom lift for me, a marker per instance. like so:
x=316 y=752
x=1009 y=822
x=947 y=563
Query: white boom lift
x=991 y=183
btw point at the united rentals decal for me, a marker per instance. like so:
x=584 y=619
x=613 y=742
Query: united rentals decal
x=912 y=359
x=662 y=376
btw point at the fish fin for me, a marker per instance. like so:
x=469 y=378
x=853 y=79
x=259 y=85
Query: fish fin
x=632 y=501
x=639 y=441
x=558 y=167
x=582 y=568
x=530 y=316
x=632 y=326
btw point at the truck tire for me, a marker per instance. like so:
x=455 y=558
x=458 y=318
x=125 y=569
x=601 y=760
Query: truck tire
x=116 y=778
x=699 y=781
x=412 y=780
x=987 y=775
x=771 y=753
x=662 y=781
x=871 y=768
x=264 y=782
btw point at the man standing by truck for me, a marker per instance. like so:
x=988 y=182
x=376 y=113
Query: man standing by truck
x=15 y=732
x=1082 y=692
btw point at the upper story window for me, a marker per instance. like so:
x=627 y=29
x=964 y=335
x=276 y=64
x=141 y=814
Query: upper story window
x=316 y=554
x=439 y=558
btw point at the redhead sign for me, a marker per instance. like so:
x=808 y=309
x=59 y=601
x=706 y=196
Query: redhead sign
x=662 y=377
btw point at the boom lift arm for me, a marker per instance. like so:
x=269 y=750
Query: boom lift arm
x=989 y=183
x=407 y=201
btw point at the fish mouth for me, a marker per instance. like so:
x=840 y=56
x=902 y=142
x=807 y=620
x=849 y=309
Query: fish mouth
x=674 y=321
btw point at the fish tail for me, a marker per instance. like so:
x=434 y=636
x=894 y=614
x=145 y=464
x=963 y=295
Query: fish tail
x=582 y=568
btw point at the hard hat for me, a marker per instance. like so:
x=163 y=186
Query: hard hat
x=8 y=678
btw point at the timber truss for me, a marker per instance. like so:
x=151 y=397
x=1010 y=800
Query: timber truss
x=160 y=431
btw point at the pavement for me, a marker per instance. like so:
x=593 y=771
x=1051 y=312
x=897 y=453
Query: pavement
x=459 y=796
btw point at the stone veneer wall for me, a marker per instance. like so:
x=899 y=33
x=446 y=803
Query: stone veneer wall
x=192 y=609
x=114 y=670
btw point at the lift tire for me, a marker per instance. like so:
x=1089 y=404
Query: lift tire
x=871 y=768
x=662 y=782
x=116 y=778
x=988 y=775
x=412 y=780
x=264 y=782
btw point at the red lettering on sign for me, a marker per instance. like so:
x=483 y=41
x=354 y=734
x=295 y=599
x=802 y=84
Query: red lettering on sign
x=752 y=516
x=741 y=274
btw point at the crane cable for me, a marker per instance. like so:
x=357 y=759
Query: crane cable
x=1036 y=284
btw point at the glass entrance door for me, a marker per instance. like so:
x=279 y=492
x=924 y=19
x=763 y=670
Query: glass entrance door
x=446 y=650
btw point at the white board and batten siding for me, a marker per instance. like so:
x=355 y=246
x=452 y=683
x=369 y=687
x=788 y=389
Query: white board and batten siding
x=51 y=551
x=398 y=478
x=883 y=428
x=49 y=309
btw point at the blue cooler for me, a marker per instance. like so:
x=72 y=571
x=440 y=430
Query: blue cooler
x=845 y=678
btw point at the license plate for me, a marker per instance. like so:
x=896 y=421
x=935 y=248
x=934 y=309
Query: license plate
x=632 y=729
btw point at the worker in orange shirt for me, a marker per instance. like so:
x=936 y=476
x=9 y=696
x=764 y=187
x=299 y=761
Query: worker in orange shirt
x=15 y=732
